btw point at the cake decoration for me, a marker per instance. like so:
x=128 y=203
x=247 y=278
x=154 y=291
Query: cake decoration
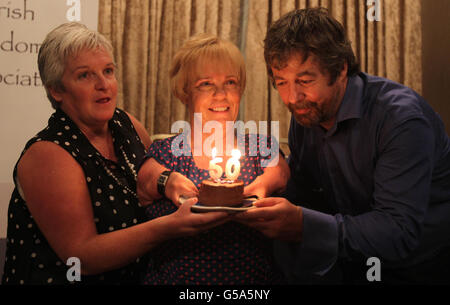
x=222 y=192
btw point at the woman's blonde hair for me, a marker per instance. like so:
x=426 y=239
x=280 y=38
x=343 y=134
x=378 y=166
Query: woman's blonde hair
x=198 y=51
x=64 y=41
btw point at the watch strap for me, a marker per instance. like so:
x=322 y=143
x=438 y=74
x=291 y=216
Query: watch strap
x=162 y=181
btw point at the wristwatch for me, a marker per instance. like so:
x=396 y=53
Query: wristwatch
x=162 y=181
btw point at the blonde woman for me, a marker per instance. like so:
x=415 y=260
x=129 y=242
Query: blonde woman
x=208 y=76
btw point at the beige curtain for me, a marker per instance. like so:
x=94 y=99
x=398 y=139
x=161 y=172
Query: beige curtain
x=145 y=35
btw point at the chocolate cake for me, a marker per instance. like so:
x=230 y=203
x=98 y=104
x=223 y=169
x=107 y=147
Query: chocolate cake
x=221 y=193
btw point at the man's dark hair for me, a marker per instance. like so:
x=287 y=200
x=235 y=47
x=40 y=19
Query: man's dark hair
x=310 y=31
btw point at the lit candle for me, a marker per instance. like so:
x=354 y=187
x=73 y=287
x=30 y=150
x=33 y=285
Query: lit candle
x=215 y=170
x=233 y=167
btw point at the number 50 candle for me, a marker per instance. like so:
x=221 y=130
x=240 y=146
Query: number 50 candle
x=233 y=167
x=215 y=171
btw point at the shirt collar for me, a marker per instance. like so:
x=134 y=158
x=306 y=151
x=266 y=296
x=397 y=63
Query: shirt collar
x=64 y=124
x=352 y=102
x=350 y=107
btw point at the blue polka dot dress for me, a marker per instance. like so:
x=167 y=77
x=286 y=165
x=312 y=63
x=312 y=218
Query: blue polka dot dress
x=230 y=254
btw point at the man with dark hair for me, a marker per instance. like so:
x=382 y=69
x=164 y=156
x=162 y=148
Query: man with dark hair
x=370 y=165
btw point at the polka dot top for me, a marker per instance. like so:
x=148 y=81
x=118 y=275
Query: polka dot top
x=29 y=257
x=230 y=254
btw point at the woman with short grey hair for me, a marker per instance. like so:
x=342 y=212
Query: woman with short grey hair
x=74 y=204
x=70 y=38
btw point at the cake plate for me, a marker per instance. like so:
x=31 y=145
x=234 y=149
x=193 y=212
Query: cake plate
x=246 y=204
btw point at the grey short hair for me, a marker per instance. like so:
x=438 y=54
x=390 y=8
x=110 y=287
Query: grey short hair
x=66 y=40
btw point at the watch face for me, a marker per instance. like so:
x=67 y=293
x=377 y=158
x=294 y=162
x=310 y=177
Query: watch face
x=162 y=180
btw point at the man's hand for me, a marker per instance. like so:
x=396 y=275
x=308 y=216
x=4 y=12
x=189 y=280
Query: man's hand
x=276 y=218
x=179 y=185
x=255 y=189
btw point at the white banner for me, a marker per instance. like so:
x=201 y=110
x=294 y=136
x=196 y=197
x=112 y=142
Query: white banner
x=24 y=107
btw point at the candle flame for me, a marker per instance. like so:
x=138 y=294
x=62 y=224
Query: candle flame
x=236 y=153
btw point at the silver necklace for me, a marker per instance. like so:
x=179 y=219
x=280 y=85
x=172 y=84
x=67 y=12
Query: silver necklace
x=130 y=166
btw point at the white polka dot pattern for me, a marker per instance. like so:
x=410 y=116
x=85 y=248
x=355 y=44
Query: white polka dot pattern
x=29 y=258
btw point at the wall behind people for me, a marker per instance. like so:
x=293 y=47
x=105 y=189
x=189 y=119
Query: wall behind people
x=436 y=49
x=24 y=107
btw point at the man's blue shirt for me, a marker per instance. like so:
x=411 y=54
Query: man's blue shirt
x=376 y=184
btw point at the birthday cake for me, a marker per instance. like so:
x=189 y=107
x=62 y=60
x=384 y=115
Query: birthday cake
x=221 y=193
